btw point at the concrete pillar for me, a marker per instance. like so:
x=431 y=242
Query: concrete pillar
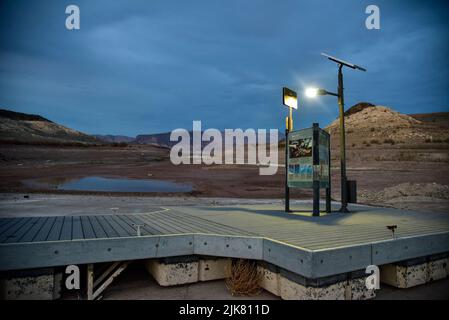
x=437 y=269
x=291 y=290
x=447 y=267
x=401 y=276
x=411 y=274
x=270 y=280
x=173 y=272
x=36 y=284
x=211 y=268
x=359 y=291
x=293 y=287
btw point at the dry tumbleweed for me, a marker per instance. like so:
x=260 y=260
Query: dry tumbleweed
x=243 y=278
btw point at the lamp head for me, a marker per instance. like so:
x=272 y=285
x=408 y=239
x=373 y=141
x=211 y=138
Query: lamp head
x=289 y=98
x=313 y=92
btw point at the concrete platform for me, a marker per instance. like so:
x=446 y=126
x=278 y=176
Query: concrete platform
x=311 y=247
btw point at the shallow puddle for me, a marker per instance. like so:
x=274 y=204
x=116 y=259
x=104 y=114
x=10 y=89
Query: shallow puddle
x=111 y=185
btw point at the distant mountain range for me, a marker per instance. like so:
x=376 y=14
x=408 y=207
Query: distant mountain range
x=163 y=139
x=114 y=139
x=368 y=121
x=160 y=139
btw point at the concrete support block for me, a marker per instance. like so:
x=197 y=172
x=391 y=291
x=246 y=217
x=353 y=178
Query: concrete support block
x=293 y=287
x=270 y=280
x=213 y=268
x=437 y=269
x=359 y=291
x=407 y=276
x=337 y=291
x=447 y=267
x=31 y=285
x=172 y=274
x=291 y=290
x=401 y=276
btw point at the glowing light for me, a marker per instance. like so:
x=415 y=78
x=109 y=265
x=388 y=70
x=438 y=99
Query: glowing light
x=311 y=92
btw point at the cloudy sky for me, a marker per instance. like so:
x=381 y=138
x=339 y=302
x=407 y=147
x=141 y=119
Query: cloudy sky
x=152 y=66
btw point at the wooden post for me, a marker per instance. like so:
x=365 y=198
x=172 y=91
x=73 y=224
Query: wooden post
x=110 y=278
x=90 y=281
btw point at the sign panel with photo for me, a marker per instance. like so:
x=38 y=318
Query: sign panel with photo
x=301 y=170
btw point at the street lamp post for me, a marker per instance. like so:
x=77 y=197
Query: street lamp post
x=290 y=100
x=313 y=92
x=341 y=107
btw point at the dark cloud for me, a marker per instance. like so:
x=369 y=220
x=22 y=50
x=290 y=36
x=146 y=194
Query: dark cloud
x=151 y=66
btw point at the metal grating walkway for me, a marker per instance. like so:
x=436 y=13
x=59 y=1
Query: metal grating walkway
x=365 y=225
x=161 y=222
x=310 y=246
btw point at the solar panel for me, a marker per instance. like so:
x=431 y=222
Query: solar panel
x=345 y=63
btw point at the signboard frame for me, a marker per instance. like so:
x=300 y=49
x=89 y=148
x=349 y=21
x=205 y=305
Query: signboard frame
x=308 y=162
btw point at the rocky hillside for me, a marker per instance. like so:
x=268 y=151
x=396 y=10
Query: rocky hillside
x=373 y=125
x=16 y=127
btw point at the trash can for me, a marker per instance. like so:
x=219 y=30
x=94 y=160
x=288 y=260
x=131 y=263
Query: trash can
x=351 y=191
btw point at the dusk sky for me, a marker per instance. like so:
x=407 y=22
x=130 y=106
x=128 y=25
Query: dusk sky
x=138 y=67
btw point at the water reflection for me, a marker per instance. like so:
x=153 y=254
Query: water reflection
x=111 y=185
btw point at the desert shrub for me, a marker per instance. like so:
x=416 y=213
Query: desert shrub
x=243 y=277
x=390 y=141
x=428 y=140
x=437 y=140
x=374 y=141
x=373 y=129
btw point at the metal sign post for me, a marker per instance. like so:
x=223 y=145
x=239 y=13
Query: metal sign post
x=287 y=189
x=316 y=163
x=289 y=99
x=307 y=157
